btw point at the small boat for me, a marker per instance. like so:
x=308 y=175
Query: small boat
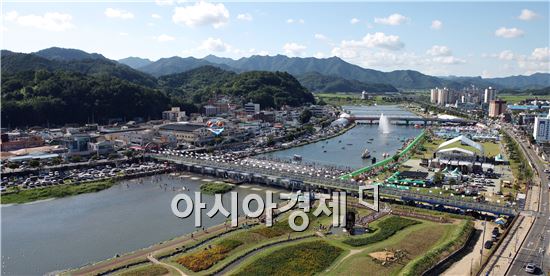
x=417 y=126
x=371 y=139
x=343 y=147
x=183 y=188
x=325 y=151
x=366 y=154
x=349 y=144
x=339 y=141
x=297 y=157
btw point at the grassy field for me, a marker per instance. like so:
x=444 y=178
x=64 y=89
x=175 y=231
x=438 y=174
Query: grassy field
x=307 y=258
x=149 y=270
x=385 y=229
x=413 y=241
x=339 y=99
x=58 y=191
x=512 y=99
x=211 y=256
x=216 y=188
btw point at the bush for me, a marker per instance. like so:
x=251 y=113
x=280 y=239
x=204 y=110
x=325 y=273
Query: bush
x=387 y=228
x=216 y=188
x=206 y=258
x=301 y=259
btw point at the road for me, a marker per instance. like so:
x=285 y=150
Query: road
x=535 y=247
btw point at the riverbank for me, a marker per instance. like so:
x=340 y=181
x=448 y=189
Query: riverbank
x=340 y=132
x=69 y=189
x=59 y=191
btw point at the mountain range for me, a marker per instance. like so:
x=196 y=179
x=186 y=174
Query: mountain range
x=335 y=67
x=317 y=74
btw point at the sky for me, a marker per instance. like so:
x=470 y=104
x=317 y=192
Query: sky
x=469 y=38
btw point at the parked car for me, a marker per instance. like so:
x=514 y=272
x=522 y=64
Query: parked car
x=530 y=268
x=488 y=244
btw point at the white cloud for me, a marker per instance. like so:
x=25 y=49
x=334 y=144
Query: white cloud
x=156 y=16
x=11 y=16
x=506 y=55
x=537 y=61
x=123 y=34
x=376 y=40
x=294 y=49
x=319 y=55
x=116 y=13
x=201 y=14
x=541 y=54
x=509 y=32
x=165 y=38
x=527 y=15
x=354 y=21
x=438 y=50
x=394 y=20
x=245 y=17
x=442 y=54
x=214 y=45
x=299 y=20
x=448 y=60
x=320 y=37
x=436 y=25
x=164 y=2
x=50 y=21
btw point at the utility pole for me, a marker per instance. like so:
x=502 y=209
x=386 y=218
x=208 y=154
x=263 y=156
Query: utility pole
x=482 y=243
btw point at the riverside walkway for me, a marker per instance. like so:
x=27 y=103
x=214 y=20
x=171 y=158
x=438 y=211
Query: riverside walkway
x=296 y=180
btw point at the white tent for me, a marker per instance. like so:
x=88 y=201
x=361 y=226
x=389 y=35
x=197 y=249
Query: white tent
x=462 y=139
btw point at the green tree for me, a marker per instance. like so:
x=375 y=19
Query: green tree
x=305 y=116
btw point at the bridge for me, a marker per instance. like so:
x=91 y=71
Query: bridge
x=374 y=119
x=298 y=181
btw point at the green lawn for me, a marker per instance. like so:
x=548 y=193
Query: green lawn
x=307 y=258
x=512 y=99
x=149 y=270
x=58 y=191
x=414 y=241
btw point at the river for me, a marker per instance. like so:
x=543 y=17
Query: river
x=64 y=233
x=346 y=150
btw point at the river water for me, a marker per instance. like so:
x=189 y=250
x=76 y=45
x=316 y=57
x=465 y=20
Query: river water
x=346 y=150
x=64 y=233
x=45 y=236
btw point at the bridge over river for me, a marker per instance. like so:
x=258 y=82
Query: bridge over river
x=301 y=181
x=406 y=119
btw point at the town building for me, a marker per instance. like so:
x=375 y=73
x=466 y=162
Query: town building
x=15 y=142
x=210 y=110
x=196 y=134
x=541 y=130
x=252 y=108
x=496 y=107
x=174 y=115
x=490 y=94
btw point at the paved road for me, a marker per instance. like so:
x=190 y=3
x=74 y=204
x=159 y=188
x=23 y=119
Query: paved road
x=535 y=247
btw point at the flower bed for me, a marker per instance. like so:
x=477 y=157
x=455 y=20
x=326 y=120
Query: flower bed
x=206 y=258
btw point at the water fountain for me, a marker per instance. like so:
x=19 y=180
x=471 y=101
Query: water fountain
x=384 y=124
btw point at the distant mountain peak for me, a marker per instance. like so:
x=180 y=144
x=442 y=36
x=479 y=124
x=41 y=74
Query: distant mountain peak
x=67 y=54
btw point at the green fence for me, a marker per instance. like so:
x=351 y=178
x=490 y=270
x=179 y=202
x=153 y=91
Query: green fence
x=385 y=161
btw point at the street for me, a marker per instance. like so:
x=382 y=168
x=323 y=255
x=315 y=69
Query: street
x=535 y=247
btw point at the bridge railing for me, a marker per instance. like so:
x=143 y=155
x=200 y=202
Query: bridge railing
x=344 y=184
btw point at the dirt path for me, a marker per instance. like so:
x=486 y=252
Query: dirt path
x=155 y=261
x=351 y=253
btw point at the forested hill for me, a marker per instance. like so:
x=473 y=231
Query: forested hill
x=317 y=82
x=269 y=89
x=39 y=91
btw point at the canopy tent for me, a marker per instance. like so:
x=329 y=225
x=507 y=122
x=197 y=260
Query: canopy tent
x=463 y=139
